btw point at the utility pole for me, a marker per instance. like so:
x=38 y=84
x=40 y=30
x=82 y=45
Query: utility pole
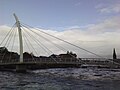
x=20 y=38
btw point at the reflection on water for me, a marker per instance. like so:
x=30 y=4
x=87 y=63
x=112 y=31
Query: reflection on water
x=62 y=79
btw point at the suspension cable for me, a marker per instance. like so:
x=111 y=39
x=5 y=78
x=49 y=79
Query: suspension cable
x=69 y=43
x=7 y=34
x=65 y=41
x=8 y=42
x=45 y=47
x=9 y=38
x=13 y=44
x=58 y=46
x=41 y=46
x=28 y=46
x=30 y=43
x=38 y=42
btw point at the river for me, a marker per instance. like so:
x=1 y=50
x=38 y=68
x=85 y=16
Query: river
x=62 y=79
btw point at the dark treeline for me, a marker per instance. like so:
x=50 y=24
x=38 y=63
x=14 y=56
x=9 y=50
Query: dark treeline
x=5 y=54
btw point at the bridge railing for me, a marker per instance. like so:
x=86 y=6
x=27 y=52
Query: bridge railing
x=44 y=60
x=52 y=60
x=97 y=61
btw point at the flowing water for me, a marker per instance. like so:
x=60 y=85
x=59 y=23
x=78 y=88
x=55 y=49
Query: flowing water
x=62 y=79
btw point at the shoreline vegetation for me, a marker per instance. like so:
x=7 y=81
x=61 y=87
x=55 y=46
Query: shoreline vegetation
x=5 y=55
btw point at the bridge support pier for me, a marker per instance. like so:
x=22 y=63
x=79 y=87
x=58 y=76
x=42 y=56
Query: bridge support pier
x=21 y=68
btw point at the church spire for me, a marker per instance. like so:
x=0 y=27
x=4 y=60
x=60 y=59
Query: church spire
x=114 y=54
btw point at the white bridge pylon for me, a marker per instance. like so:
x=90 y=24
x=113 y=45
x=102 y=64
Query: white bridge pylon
x=20 y=38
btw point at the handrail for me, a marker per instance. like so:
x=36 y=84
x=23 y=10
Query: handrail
x=59 y=60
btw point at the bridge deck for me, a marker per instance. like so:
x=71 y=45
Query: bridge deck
x=80 y=61
x=42 y=61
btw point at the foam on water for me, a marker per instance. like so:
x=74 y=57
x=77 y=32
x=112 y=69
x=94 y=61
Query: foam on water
x=83 y=74
x=62 y=79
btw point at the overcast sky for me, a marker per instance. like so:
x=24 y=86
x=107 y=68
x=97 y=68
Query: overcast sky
x=91 y=24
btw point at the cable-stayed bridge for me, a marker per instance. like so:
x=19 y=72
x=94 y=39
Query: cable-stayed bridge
x=28 y=37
